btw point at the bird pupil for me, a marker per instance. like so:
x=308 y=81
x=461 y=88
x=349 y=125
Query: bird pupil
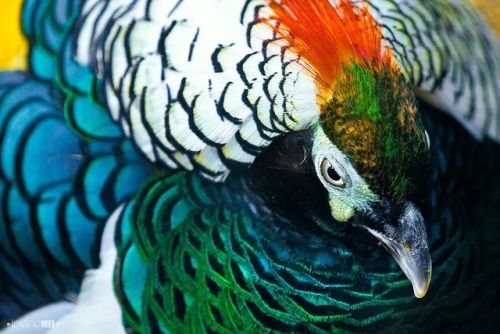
x=332 y=173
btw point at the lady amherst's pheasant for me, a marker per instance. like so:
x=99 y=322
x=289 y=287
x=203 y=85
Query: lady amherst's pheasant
x=225 y=166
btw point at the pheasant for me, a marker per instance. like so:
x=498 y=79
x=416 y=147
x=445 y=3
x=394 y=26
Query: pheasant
x=224 y=166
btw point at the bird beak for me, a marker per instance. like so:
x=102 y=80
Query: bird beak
x=406 y=241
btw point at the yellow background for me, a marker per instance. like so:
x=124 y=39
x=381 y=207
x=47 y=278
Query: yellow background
x=13 y=46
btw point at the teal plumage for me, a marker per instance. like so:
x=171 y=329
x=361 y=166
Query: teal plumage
x=64 y=167
x=246 y=256
x=57 y=192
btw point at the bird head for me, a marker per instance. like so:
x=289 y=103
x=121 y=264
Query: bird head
x=370 y=152
x=370 y=149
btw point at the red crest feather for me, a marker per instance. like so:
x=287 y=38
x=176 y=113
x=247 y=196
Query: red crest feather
x=327 y=36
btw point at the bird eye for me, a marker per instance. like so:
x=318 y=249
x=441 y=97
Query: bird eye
x=331 y=175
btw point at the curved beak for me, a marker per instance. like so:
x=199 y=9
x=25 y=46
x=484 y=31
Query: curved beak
x=406 y=241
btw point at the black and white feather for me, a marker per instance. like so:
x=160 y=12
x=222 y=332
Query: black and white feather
x=206 y=86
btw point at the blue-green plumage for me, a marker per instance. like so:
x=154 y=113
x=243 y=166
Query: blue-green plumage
x=57 y=191
x=64 y=167
x=241 y=261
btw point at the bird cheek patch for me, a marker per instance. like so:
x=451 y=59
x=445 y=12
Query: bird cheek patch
x=341 y=211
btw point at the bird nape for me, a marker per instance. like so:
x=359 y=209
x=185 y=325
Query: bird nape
x=257 y=166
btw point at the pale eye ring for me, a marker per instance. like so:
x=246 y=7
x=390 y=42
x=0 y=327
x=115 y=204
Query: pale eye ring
x=331 y=175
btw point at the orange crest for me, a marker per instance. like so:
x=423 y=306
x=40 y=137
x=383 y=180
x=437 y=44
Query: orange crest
x=327 y=36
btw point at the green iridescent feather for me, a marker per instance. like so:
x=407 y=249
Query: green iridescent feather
x=202 y=258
